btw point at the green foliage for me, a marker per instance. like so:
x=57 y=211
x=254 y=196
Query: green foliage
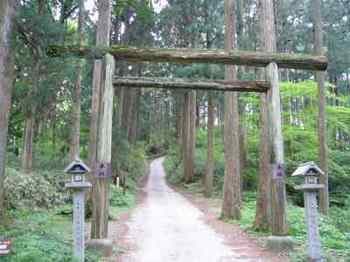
x=142 y=8
x=173 y=166
x=158 y=145
x=334 y=239
x=120 y=199
x=41 y=237
x=136 y=162
x=30 y=191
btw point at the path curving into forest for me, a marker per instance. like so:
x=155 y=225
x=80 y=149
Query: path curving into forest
x=167 y=227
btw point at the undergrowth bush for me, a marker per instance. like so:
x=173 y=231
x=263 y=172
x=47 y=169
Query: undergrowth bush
x=173 y=166
x=118 y=198
x=29 y=191
x=137 y=161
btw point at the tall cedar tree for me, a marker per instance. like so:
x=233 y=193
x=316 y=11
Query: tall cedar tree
x=28 y=144
x=7 y=13
x=75 y=132
x=231 y=207
x=263 y=201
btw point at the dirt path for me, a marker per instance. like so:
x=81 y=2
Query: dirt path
x=166 y=227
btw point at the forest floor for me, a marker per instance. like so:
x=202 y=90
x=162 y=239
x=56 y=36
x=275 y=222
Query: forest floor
x=168 y=226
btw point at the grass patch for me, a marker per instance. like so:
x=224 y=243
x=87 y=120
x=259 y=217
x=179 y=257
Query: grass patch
x=42 y=236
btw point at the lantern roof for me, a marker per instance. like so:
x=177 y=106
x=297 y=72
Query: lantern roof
x=77 y=167
x=308 y=169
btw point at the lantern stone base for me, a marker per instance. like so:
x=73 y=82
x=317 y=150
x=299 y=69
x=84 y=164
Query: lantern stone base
x=280 y=243
x=103 y=246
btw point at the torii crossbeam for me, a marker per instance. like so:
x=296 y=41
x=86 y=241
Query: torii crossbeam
x=219 y=85
x=187 y=56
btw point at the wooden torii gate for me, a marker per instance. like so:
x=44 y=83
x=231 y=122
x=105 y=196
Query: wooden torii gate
x=272 y=62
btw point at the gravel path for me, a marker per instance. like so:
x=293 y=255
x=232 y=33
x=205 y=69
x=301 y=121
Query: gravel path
x=167 y=227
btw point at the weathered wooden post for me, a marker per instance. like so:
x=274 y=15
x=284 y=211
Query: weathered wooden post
x=103 y=169
x=278 y=189
x=311 y=172
x=77 y=169
x=279 y=240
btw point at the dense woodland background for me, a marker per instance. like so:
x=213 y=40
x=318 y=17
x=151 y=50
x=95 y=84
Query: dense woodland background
x=47 y=92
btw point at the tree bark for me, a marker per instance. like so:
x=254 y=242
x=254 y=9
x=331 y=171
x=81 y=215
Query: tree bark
x=29 y=129
x=192 y=136
x=27 y=154
x=129 y=107
x=120 y=106
x=209 y=175
x=220 y=85
x=186 y=135
x=231 y=207
x=179 y=107
x=186 y=56
x=127 y=100
x=75 y=132
x=263 y=201
x=7 y=13
x=322 y=125
x=101 y=122
x=134 y=118
x=189 y=132
x=242 y=150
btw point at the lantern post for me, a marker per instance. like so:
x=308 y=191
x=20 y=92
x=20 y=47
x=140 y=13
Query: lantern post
x=311 y=173
x=77 y=169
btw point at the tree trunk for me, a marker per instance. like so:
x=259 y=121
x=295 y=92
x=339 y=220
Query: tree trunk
x=209 y=175
x=129 y=108
x=7 y=14
x=188 y=136
x=231 y=207
x=75 y=132
x=120 y=106
x=126 y=110
x=27 y=154
x=192 y=136
x=242 y=151
x=179 y=107
x=184 y=130
x=101 y=124
x=134 y=117
x=263 y=201
x=322 y=125
x=198 y=116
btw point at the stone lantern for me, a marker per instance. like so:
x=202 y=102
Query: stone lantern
x=311 y=173
x=77 y=169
